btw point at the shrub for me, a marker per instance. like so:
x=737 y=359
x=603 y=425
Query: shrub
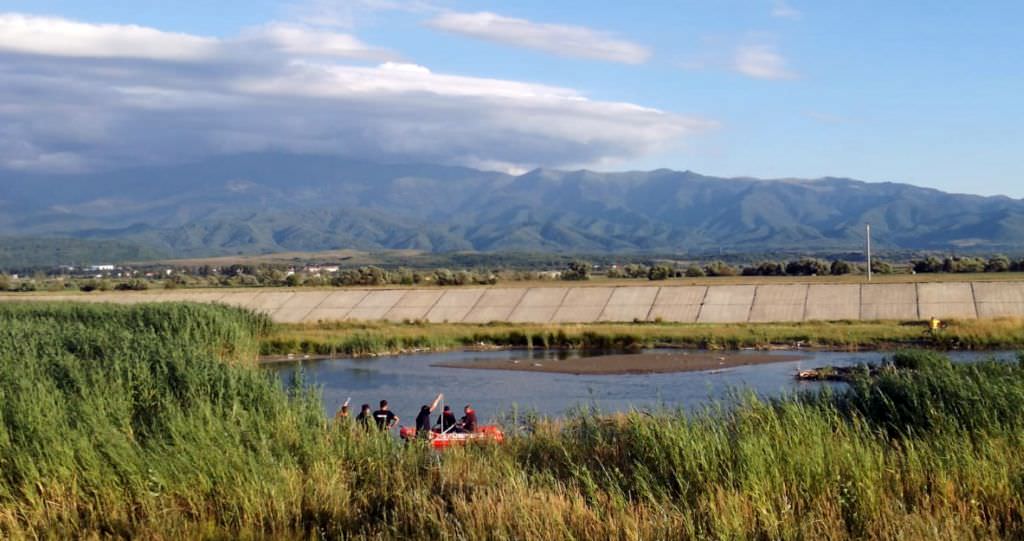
x=840 y=267
x=807 y=267
x=929 y=265
x=661 y=272
x=694 y=271
x=881 y=267
x=999 y=263
x=132 y=285
x=720 y=268
x=577 y=270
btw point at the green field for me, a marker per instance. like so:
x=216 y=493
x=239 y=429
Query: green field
x=153 y=421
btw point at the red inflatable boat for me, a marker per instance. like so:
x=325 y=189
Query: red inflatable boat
x=439 y=440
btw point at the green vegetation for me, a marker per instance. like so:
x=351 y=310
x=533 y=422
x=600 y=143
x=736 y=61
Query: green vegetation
x=148 y=421
x=45 y=252
x=997 y=263
x=577 y=270
x=366 y=338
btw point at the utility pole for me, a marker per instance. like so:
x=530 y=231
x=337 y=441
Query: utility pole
x=868 y=236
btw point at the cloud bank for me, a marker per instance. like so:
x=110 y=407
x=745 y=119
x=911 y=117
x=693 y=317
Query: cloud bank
x=77 y=96
x=563 y=40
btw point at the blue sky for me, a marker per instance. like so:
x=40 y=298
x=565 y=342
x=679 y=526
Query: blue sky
x=923 y=92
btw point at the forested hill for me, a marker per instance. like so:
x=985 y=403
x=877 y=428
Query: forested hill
x=273 y=202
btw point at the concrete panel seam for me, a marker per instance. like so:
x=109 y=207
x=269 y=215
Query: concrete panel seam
x=437 y=300
x=475 y=304
x=520 y=301
x=702 y=301
x=606 y=302
x=917 y=299
x=750 y=307
x=559 y=306
x=860 y=301
x=807 y=296
x=974 y=297
x=753 y=301
x=366 y=293
x=654 y=301
x=323 y=300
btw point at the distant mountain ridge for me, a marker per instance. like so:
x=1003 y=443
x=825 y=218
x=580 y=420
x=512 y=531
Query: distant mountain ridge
x=276 y=202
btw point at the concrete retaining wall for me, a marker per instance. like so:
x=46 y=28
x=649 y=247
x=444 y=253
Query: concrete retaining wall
x=581 y=304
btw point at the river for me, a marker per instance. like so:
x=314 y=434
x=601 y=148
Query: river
x=408 y=381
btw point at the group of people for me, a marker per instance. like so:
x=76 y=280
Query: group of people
x=385 y=419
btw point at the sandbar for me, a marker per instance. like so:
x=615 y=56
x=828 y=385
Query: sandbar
x=629 y=363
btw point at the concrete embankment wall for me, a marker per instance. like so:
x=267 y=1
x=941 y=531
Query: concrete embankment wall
x=586 y=304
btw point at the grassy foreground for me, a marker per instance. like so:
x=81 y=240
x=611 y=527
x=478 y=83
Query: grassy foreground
x=344 y=338
x=149 y=422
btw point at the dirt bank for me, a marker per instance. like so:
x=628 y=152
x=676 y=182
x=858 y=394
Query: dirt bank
x=641 y=363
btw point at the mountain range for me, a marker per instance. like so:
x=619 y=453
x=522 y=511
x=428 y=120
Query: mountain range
x=260 y=203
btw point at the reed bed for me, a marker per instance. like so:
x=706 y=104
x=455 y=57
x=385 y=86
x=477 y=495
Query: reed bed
x=150 y=421
x=368 y=338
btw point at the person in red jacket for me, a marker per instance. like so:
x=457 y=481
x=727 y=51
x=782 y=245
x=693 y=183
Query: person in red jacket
x=469 y=419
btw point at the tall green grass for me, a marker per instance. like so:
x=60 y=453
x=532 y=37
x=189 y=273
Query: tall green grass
x=148 y=422
x=364 y=338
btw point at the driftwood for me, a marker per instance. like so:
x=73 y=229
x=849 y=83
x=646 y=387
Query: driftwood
x=842 y=373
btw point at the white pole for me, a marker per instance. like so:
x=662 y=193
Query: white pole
x=869 y=250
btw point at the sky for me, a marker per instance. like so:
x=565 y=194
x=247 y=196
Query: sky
x=930 y=93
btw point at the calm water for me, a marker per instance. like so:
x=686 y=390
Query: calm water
x=408 y=381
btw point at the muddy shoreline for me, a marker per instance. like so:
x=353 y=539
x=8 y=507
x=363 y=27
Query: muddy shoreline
x=629 y=363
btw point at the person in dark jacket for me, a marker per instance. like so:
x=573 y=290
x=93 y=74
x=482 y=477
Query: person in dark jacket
x=365 y=416
x=446 y=422
x=423 y=419
x=386 y=419
x=469 y=419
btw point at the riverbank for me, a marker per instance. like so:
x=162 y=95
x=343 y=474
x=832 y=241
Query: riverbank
x=346 y=339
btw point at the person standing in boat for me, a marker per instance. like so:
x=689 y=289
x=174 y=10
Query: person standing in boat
x=469 y=419
x=386 y=419
x=342 y=414
x=423 y=419
x=446 y=422
x=364 y=417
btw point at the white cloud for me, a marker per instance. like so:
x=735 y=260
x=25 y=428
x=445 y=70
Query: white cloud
x=783 y=10
x=61 y=37
x=563 y=40
x=302 y=40
x=761 y=62
x=346 y=13
x=291 y=90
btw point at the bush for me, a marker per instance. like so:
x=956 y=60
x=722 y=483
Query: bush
x=929 y=265
x=999 y=263
x=88 y=286
x=881 y=267
x=693 y=271
x=661 y=272
x=132 y=285
x=840 y=267
x=577 y=270
x=720 y=268
x=963 y=264
x=807 y=267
